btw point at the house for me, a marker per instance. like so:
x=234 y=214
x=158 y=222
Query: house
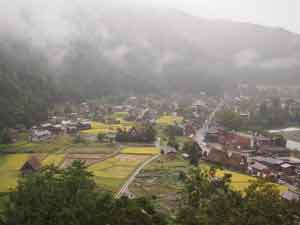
x=287 y=169
x=84 y=125
x=169 y=151
x=39 y=135
x=291 y=195
x=227 y=158
x=272 y=163
x=72 y=129
x=30 y=166
x=260 y=170
x=270 y=151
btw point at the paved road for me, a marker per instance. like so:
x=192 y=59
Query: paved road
x=200 y=134
x=124 y=188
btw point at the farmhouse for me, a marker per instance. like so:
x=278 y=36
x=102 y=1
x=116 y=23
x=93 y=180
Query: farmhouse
x=30 y=166
x=260 y=170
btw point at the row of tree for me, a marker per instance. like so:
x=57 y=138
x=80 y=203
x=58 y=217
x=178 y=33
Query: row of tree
x=146 y=133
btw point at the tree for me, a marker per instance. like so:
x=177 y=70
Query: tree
x=150 y=133
x=207 y=200
x=229 y=120
x=172 y=142
x=100 y=137
x=5 y=137
x=194 y=152
x=67 y=197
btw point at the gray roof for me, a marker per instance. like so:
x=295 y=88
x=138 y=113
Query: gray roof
x=258 y=166
x=268 y=160
x=290 y=196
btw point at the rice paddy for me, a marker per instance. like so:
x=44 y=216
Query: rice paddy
x=141 y=150
x=10 y=165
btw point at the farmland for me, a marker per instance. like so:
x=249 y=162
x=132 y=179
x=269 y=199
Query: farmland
x=111 y=173
x=169 y=120
x=141 y=150
x=53 y=159
x=9 y=170
x=162 y=179
x=57 y=143
x=98 y=127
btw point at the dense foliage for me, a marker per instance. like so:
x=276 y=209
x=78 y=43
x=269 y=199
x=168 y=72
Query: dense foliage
x=25 y=87
x=207 y=200
x=54 y=197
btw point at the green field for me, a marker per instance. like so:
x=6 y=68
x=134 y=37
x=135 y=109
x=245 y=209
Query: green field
x=53 y=159
x=111 y=173
x=54 y=144
x=141 y=150
x=119 y=115
x=92 y=148
x=10 y=165
x=169 y=120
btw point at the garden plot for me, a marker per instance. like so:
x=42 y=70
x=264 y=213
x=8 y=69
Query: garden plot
x=88 y=159
x=110 y=174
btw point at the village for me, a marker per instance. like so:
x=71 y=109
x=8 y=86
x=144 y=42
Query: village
x=134 y=146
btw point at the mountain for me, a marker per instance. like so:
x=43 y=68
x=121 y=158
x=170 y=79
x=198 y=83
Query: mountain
x=25 y=86
x=138 y=48
x=91 y=49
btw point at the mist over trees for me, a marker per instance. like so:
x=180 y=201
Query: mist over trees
x=72 y=51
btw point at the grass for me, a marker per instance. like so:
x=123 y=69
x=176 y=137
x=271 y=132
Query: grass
x=112 y=173
x=169 y=120
x=9 y=170
x=141 y=150
x=53 y=159
x=54 y=144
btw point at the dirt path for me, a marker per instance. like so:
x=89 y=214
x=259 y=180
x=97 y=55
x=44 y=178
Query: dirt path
x=124 y=188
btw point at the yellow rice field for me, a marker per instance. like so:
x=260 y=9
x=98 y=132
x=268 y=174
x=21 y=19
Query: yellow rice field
x=141 y=150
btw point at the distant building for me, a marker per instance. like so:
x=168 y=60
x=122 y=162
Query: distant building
x=40 y=135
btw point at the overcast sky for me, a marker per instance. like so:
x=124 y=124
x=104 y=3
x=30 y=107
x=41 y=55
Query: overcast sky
x=278 y=13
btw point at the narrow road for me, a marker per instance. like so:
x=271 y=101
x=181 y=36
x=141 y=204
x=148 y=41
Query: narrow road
x=124 y=188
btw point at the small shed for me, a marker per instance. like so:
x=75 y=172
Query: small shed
x=30 y=166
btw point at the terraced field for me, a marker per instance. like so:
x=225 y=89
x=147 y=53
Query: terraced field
x=113 y=172
x=10 y=165
x=141 y=150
